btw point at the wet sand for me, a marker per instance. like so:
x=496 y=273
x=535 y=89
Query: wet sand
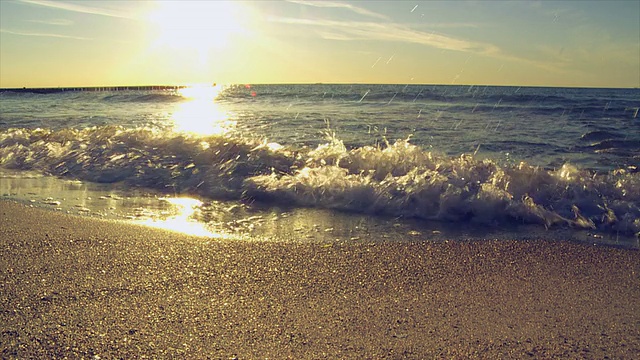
x=80 y=288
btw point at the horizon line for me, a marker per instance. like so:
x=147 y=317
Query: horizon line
x=186 y=85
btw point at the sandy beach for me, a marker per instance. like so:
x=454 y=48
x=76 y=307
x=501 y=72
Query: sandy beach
x=76 y=287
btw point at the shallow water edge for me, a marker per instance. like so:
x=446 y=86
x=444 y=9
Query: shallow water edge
x=256 y=221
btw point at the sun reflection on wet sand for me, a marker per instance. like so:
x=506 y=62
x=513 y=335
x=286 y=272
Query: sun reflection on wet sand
x=201 y=114
x=181 y=219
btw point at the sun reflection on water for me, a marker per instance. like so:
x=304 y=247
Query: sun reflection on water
x=201 y=114
x=181 y=219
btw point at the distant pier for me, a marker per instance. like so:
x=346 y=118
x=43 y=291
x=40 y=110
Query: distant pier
x=93 y=88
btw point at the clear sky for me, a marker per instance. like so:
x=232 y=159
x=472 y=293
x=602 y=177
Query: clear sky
x=541 y=43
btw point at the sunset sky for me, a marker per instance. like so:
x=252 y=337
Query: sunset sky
x=98 y=43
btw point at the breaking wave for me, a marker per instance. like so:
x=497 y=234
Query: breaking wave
x=398 y=179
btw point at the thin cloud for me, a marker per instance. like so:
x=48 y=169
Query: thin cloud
x=353 y=30
x=56 y=22
x=448 y=25
x=332 y=4
x=79 y=8
x=22 y=33
x=363 y=31
x=330 y=35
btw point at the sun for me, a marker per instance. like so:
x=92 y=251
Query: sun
x=201 y=26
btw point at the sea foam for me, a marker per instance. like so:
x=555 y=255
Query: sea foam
x=398 y=179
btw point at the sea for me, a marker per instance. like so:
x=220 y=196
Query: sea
x=333 y=163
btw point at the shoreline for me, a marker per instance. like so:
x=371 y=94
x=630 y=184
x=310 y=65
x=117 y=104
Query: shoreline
x=82 y=287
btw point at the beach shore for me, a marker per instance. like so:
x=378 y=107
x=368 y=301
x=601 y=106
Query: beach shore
x=79 y=287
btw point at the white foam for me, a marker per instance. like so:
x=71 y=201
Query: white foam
x=398 y=179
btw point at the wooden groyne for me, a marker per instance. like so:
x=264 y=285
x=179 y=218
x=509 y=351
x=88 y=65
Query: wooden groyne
x=93 y=88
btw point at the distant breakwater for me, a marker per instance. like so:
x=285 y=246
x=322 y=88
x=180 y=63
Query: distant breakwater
x=93 y=88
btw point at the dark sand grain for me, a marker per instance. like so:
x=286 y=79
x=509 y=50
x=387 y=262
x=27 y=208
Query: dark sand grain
x=81 y=288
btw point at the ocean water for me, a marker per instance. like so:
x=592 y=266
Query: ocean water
x=333 y=161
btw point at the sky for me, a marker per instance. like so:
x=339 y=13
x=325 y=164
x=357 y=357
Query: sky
x=523 y=43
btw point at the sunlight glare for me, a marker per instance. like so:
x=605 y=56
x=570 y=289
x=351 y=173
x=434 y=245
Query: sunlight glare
x=201 y=114
x=183 y=221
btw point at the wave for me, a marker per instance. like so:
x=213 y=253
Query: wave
x=602 y=143
x=142 y=97
x=110 y=96
x=616 y=144
x=399 y=179
x=599 y=135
